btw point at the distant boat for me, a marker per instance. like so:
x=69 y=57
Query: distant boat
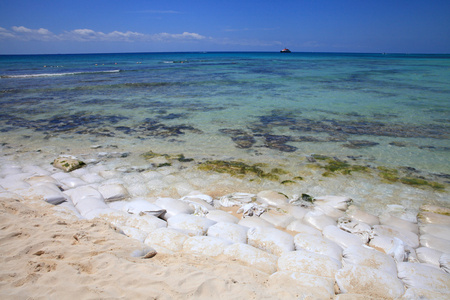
x=285 y=50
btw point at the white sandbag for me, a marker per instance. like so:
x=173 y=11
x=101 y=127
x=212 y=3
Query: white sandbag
x=230 y=232
x=387 y=219
x=15 y=182
x=355 y=213
x=430 y=241
x=272 y=198
x=427 y=217
x=297 y=212
x=303 y=261
x=301 y=285
x=338 y=202
x=168 y=238
x=140 y=206
x=414 y=294
x=193 y=196
x=271 y=240
x=118 y=205
x=190 y=224
x=236 y=199
x=437 y=230
x=341 y=237
x=368 y=281
x=49 y=192
x=86 y=199
x=318 y=220
x=222 y=216
x=173 y=207
x=113 y=192
x=330 y=211
x=115 y=217
x=92 y=178
x=318 y=244
x=435 y=209
x=408 y=237
x=37 y=179
x=277 y=219
x=134 y=233
x=444 y=262
x=357 y=228
x=298 y=226
x=366 y=256
x=391 y=246
x=69 y=207
x=253 y=257
x=10 y=169
x=137 y=189
x=254 y=221
x=146 y=223
x=205 y=245
x=399 y=211
x=71 y=182
x=424 y=277
x=429 y=256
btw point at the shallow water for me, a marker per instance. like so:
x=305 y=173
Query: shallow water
x=367 y=109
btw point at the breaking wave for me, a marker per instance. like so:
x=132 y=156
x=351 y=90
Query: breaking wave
x=57 y=74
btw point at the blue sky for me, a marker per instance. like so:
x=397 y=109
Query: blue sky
x=79 y=26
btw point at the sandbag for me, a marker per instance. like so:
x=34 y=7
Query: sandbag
x=254 y=221
x=221 y=216
x=435 y=209
x=303 y=261
x=437 y=230
x=430 y=241
x=341 y=237
x=294 y=285
x=357 y=228
x=71 y=182
x=391 y=246
x=47 y=191
x=271 y=240
x=387 y=219
x=299 y=227
x=190 y=224
x=205 y=245
x=297 y=212
x=408 y=237
x=338 y=202
x=318 y=220
x=173 y=207
x=330 y=211
x=253 y=257
x=368 y=281
x=427 y=217
x=86 y=199
x=229 y=232
x=318 y=244
x=15 y=182
x=429 y=256
x=37 y=179
x=113 y=192
x=444 y=262
x=277 y=219
x=272 y=198
x=399 y=211
x=355 y=213
x=140 y=206
x=167 y=238
x=424 y=277
x=134 y=233
x=137 y=189
x=366 y=256
x=91 y=178
x=146 y=223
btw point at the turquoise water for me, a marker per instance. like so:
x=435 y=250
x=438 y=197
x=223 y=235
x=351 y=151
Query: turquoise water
x=382 y=109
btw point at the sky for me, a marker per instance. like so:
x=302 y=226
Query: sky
x=111 y=26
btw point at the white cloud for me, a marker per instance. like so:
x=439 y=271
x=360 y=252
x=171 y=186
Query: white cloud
x=85 y=35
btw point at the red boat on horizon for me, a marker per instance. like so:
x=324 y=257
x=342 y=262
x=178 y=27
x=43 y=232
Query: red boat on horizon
x=285 y=50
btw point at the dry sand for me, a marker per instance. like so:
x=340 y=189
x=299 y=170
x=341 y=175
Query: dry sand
x=45 y=256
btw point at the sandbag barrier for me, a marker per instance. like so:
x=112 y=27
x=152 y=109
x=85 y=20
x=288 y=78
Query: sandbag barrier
x=326 y=240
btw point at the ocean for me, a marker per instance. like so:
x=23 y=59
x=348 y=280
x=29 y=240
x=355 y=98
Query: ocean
x=371 y=126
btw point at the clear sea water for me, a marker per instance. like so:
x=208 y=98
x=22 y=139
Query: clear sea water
x=377 y=110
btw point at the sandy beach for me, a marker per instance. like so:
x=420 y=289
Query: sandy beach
x=100 y=243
